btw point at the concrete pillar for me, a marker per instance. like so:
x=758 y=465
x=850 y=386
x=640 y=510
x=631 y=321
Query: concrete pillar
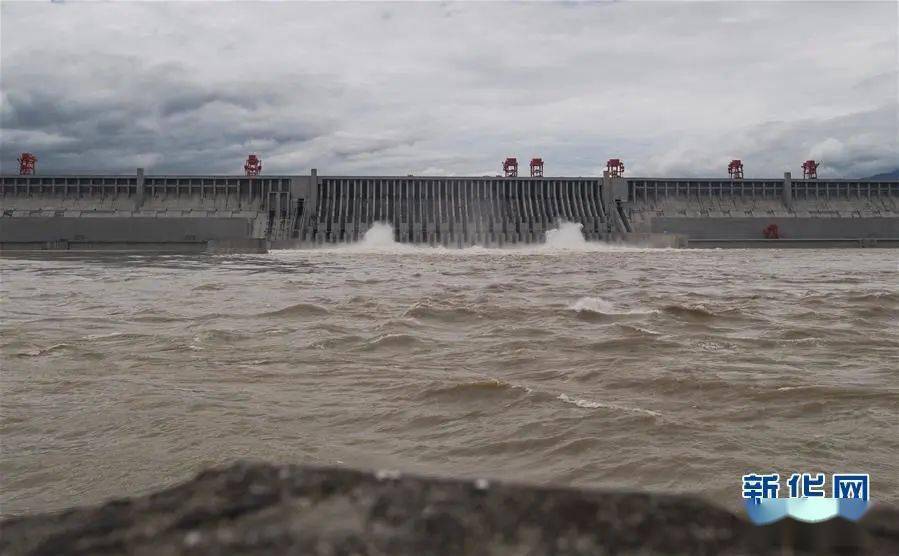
x=139 y=196
x=613 y=189
x=788 y=190
x=607 y=199
x=311 y=202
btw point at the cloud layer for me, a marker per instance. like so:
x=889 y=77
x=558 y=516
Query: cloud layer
x=672 y=88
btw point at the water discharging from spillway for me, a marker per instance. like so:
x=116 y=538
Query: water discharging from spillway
x=567 y=236
x=379 y=236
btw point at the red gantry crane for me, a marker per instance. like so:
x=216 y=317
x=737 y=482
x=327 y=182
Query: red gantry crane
x=536 y=167
x=615 y=167
x=735 y=169
x=510 y=167
x=27 y=164
x=253 y=167
x=810 y=170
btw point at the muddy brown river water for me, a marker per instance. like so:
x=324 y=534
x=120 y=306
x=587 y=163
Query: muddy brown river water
x=662 y=370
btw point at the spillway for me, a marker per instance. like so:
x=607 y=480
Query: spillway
x=454 y=211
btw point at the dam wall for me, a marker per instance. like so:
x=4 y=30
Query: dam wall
x=153 y=212
x=135 y=229
x=731 y=212
x=192 y=212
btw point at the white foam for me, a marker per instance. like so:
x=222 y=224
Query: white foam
x=590 y=404
x=380 y=235
x=103 y=336
x=593 y=305
x=378 y=239
x=604 y=307
x=568 y=236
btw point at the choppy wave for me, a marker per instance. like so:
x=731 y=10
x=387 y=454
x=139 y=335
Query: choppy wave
x=592 y=404
x=600 y=306
x=393 y=341
x=217 y=337
x=443 y=312
x=700 y=312
x=475 y=388
x=38 y=352
x=210 y=287
x=638 y=329
x=109 y=336
x=297 y=310
x=156 y=315
x=880 y=297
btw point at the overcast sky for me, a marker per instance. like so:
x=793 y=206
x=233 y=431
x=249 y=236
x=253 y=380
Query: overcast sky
x=672 y=88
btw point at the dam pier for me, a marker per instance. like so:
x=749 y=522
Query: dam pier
x=259 y=212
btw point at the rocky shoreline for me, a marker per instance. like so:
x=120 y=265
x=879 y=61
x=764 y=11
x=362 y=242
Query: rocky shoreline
x=258 y=508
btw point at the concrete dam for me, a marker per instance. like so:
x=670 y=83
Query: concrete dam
x=255 y=213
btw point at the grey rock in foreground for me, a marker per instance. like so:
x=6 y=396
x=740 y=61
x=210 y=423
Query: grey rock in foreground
x=251 y=508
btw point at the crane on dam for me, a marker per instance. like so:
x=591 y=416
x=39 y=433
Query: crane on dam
x=615 y=167
x=810 y=170
x=27 y=164
x=735 y=169
x=253 y=166
x=536 y=167
x=510 y=167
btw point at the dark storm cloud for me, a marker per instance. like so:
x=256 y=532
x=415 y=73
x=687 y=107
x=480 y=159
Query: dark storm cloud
x=449 y=88
x=132 y=115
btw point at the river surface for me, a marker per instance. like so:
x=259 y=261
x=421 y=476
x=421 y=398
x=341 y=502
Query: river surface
x=573 y=364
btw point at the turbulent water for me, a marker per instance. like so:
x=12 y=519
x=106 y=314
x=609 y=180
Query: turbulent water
x=567 y=363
